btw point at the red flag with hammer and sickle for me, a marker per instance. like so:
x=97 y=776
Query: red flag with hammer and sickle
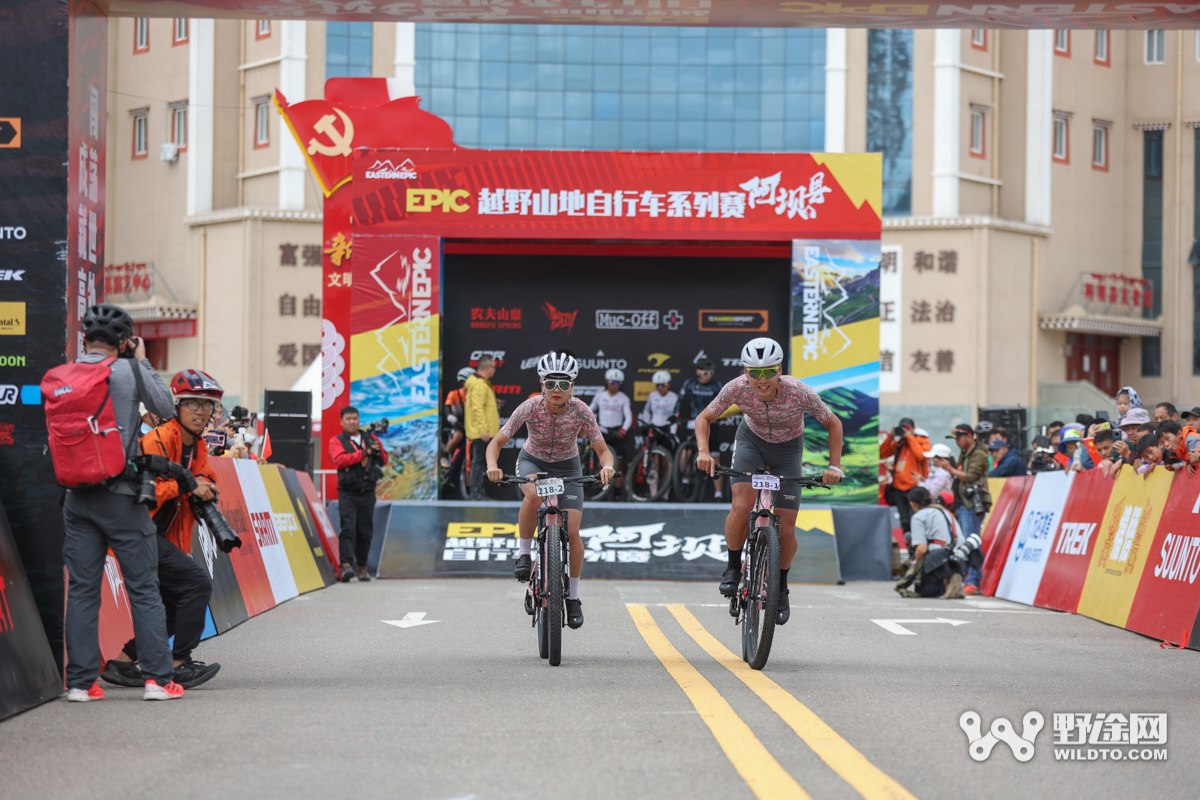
x=329 y=132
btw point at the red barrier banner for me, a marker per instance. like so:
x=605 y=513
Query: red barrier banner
x=247 y=560
x=1168 y=596
x=565 y=195
x=1001 y=525
x=1067 y=567
x=116 y=615
x=325 y=526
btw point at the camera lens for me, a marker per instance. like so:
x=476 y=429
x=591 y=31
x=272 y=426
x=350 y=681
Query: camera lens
x=208 y=512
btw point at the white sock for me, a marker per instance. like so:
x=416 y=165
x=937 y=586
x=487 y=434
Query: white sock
x=525 y=545
x=574 y=593
x=716 y=495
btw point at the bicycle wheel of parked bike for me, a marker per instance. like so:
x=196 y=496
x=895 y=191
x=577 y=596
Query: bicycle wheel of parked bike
x=590 y=461
x=762 y=597
x=688 y=480
x=649 y=476
x=553 y=587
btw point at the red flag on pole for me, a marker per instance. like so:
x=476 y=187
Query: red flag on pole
x=266 y=449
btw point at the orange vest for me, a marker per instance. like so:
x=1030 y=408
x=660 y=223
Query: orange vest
x=167 y=440
x=1182 y=450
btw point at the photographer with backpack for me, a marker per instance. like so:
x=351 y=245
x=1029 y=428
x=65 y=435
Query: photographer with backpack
x=92 y=417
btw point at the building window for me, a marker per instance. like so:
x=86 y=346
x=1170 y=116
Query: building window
x=1062 y=43
x=140 y=118
x=178 y=112
x=979 y=39
x=141 y=35
x=348 y=50
x=262 y=121
x=890 y=114
x=978 y=133
x=1062 y=139
x=1102 y=48
x=1100 y=147
x=1156 y=47
x=1152 y=229
x=263 y=29
x=181 y=32
x=625 y=88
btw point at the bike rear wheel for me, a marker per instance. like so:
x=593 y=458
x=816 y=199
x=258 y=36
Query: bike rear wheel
x=688 y=480
x=649 y=476
x=553 y=587
x=762 y=596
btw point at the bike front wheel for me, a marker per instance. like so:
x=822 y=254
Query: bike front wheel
x=649 y=477
x=688 y=479
x=761 y=591
x=553 y=588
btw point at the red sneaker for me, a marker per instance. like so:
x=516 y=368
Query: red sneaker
x=84 y=695
x=156 y=692
x=970 y=590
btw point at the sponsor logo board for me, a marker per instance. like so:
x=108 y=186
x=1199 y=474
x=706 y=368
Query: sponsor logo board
x=385 y=170
x=560 y=319
x=738 y=320
x=12 y=319
x=626 y=320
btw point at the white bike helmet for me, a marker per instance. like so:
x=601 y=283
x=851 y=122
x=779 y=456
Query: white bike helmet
x=762 y=352
x=558 y=364
x=661 y=377
x=465 y=373
x=614 y=374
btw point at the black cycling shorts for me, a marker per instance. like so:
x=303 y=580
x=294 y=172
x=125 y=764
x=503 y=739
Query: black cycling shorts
x=572 y=497
x=751 y=452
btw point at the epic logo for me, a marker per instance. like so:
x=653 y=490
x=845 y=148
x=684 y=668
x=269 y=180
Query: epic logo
x=427 y=199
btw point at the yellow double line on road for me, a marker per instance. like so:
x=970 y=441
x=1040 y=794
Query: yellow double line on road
x=762 y=773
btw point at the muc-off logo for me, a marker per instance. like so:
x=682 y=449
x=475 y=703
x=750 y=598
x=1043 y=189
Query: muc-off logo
x=980 y=745
x=385 y=170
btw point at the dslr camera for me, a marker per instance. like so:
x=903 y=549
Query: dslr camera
x=899 y=433
x=379 y=427
x=147 y=470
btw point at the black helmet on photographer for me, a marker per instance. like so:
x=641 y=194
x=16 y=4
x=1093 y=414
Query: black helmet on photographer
x=108 y=324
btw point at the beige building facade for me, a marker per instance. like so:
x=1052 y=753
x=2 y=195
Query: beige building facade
x=1028 y=174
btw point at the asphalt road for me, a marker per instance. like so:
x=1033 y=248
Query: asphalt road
x=320 y=698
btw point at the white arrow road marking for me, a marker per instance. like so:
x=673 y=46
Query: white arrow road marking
x=411 y=620
x=894 y=625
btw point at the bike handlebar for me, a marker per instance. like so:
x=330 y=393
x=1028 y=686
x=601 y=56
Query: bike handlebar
x=803 y=481
x=582 y=480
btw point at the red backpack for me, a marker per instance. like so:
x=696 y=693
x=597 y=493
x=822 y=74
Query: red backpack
x=85 y=441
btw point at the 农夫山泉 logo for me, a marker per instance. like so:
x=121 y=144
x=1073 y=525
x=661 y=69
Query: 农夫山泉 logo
x=385 y=170
x=12 y=319
x=424 y=200
x=560 y=319
x=496 y=318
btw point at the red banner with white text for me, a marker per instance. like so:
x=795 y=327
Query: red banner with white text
x=1067 y=567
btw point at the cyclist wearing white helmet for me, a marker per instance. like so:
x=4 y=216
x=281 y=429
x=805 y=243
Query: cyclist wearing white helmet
x=615 y=413
x=662 y=404
x=773 y=406
x=554 y=421
x=694 y=397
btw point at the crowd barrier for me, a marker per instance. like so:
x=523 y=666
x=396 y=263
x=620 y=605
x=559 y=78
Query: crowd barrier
x=289 y=547
x=1124 y=551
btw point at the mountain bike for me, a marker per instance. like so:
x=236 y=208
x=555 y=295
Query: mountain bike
x=648 y=475
x=546 y=594
x=589 y=461
x=755 y=604
x=689 y=480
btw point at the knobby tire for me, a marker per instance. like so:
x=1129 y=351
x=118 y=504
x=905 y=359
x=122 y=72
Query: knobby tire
x=542 y=619
x=685 y=469
x=665 y=460
x=758 y=625
x=553 y=585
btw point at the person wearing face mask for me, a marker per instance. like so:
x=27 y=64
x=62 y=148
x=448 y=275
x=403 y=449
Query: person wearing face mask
x=148 y=419
x=185 y=585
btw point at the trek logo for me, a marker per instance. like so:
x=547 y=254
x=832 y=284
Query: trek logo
x=560 y=319
x=12 y=275
x=980 y=745
x=423 y=200
x=339 y=141
x=264 y=529
x=1074 y=538
x=1179 y=558
x=8 y=394
x=497 y=356
x=385 y=170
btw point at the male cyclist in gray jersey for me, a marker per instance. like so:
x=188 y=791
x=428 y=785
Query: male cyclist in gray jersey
x=773 y=405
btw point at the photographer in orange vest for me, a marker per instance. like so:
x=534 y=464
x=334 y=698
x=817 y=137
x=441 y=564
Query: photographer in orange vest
x=908 y=444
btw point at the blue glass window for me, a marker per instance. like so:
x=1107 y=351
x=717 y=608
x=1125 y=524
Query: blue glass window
x=348 y=50
x=630 y=88
x=889 y=114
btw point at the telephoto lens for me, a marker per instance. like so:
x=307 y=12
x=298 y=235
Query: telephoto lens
x=218 y=526
x=146 y=494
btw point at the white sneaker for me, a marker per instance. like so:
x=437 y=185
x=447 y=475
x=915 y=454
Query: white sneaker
x=84 y=695
x=155 y=692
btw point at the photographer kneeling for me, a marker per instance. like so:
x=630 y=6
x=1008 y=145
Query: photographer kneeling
x=935 y=571
x=184 y=584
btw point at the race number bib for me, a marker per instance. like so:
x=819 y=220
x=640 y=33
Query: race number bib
x=549 y=487
x=765 y=482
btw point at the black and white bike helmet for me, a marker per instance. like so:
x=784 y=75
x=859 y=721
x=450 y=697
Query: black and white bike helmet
x=762 y=352
x=465 y=373
x=558 y=364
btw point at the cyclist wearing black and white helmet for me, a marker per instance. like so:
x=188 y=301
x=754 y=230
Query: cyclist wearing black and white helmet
x=773 y=405
x=554 y=421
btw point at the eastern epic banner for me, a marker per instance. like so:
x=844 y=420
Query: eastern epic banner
x=835 y=350
x=394 y=355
